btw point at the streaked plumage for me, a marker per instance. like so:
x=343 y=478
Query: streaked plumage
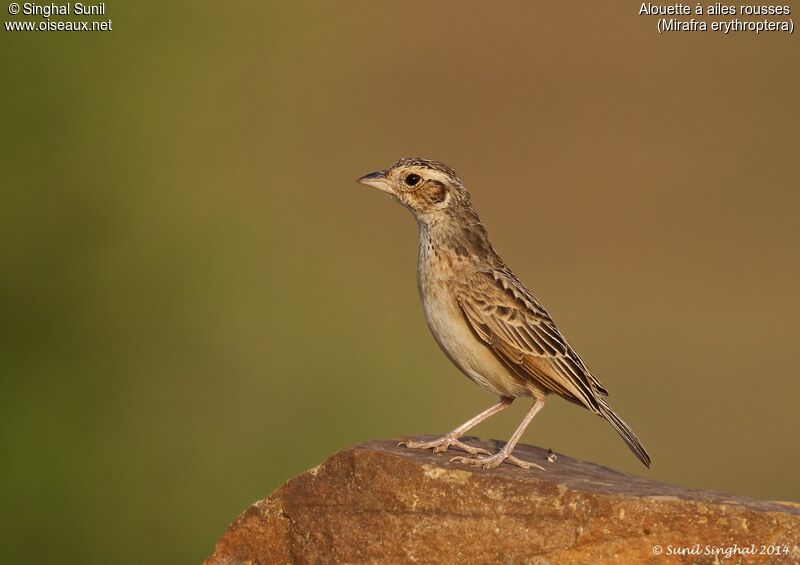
x=484 y=319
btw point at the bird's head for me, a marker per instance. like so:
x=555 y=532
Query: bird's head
x=429 y=189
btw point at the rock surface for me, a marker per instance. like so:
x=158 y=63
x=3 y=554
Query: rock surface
x=377 y=503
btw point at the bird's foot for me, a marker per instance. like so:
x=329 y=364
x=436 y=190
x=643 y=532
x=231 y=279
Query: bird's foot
x=443 y=444
x=493 y=461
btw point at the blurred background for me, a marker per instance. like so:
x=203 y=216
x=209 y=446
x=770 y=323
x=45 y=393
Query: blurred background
x=199 y=302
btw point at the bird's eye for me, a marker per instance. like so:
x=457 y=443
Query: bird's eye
x=412 y=179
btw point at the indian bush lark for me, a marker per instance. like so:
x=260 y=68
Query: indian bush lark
x=483 y=318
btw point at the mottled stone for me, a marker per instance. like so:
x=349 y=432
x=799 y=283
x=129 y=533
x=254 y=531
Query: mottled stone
x=378 y=503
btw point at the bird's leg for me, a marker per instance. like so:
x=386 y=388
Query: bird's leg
x=492 y=461
x=444 y=442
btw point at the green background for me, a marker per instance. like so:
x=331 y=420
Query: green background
x=198 y=302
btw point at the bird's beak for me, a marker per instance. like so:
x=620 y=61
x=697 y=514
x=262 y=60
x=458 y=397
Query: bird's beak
x=377 y=180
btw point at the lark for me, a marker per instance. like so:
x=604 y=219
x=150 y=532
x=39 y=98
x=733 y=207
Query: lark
x=483 y=318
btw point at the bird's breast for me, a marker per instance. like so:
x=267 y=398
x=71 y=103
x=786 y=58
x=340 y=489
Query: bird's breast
x=438 y=288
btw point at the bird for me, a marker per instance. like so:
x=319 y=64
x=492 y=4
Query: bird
x=490 y=326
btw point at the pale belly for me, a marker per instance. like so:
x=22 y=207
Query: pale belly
x=466 y=350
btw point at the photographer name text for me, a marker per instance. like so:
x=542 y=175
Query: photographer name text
x=73 y=9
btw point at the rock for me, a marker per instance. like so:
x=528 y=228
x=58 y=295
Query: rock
x=379 y=503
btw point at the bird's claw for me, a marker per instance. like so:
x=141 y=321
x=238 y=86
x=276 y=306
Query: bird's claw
x=443 y=444
x=494 y=461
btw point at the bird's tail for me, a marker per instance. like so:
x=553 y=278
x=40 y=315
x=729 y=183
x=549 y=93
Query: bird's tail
x=625 y=432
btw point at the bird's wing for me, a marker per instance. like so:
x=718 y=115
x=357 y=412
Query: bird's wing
x=505 y=315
